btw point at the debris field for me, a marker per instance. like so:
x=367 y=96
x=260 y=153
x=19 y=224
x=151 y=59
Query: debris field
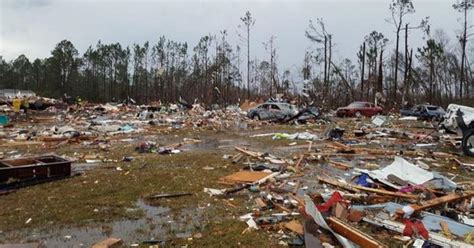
x=180 y=175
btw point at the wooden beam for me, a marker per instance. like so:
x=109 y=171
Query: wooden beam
x=298 y=164
x=438 y=201
x=108 y=243
x=337 y=183
x=358 y=188
x=354 y=235
x=386 y=192
x=249 y=153
x=340 y=165
x=295 y=226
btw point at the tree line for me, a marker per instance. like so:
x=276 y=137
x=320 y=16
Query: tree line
x=439 y=72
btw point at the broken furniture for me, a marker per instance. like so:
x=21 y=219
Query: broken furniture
x=31 y=170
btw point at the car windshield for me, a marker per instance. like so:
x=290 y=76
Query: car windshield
x=274 y=107
x=287 y=106
x=433 y=108
x=356 y=105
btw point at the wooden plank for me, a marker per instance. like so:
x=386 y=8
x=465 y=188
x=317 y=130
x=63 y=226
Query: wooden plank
x=438 y=201
x=298 y=164
x=340 y=165
x=246 y=176
x=260 y=203
x=295 y=226
x=353 y=234
x=237 y=158
x=341 y=146
x=358 y=188
x=108 y=243
x=281 y=207
x=20 y=143
x=296 y=188
x=445 y=229
x=249 y=153
x=386 y=192
x=337 y=183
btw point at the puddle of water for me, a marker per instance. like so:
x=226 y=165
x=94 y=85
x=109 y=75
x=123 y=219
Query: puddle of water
x=157 y=224
x=207 y=144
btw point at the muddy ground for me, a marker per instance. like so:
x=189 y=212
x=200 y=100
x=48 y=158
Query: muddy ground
x=109 y=199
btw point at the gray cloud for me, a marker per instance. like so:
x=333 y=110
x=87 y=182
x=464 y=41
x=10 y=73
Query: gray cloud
x=25 y=4
x=35 y=29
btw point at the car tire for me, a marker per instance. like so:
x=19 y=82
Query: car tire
x=468 y=143
x=358 y=114
x=256 y=117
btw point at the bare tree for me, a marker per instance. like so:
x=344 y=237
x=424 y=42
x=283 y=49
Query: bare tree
x=399 y=9
x=269 y=46
x=361 y=58
x=319 y=35
x=463 y=7
x=248 y=21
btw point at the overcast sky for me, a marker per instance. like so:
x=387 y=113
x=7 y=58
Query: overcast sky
x=33 y=27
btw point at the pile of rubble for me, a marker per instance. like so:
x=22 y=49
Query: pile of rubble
x=377 y=187
x=357 y=183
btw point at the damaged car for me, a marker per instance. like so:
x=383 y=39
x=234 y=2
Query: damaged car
x=460 y=120
x=358 y=109
x=424 y=112
x=272 y=111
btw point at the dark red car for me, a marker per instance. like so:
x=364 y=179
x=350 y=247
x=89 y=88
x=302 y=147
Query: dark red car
x=358 y=109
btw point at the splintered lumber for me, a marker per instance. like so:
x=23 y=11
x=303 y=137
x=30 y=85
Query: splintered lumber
x=442 y=155
x=438 y=201
x=340 y=165
x=465 y=165
x=108 y=243
x=295 y=226
x=385 y=192
x=354 y=235
x=281 y=207
x=296 y=188
x=337 y=183
x=358 y=188
x=445 y=229
x=380 y=152
x=341 y=146
x=237 y=158
x=298 y=164
x=20 y=143
x=249 y=153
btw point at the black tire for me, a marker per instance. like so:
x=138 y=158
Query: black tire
x=468 y=143
x=256 y=117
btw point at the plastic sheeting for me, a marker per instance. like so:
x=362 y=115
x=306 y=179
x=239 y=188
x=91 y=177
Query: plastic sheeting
x=409 y=173
x=311 y=209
